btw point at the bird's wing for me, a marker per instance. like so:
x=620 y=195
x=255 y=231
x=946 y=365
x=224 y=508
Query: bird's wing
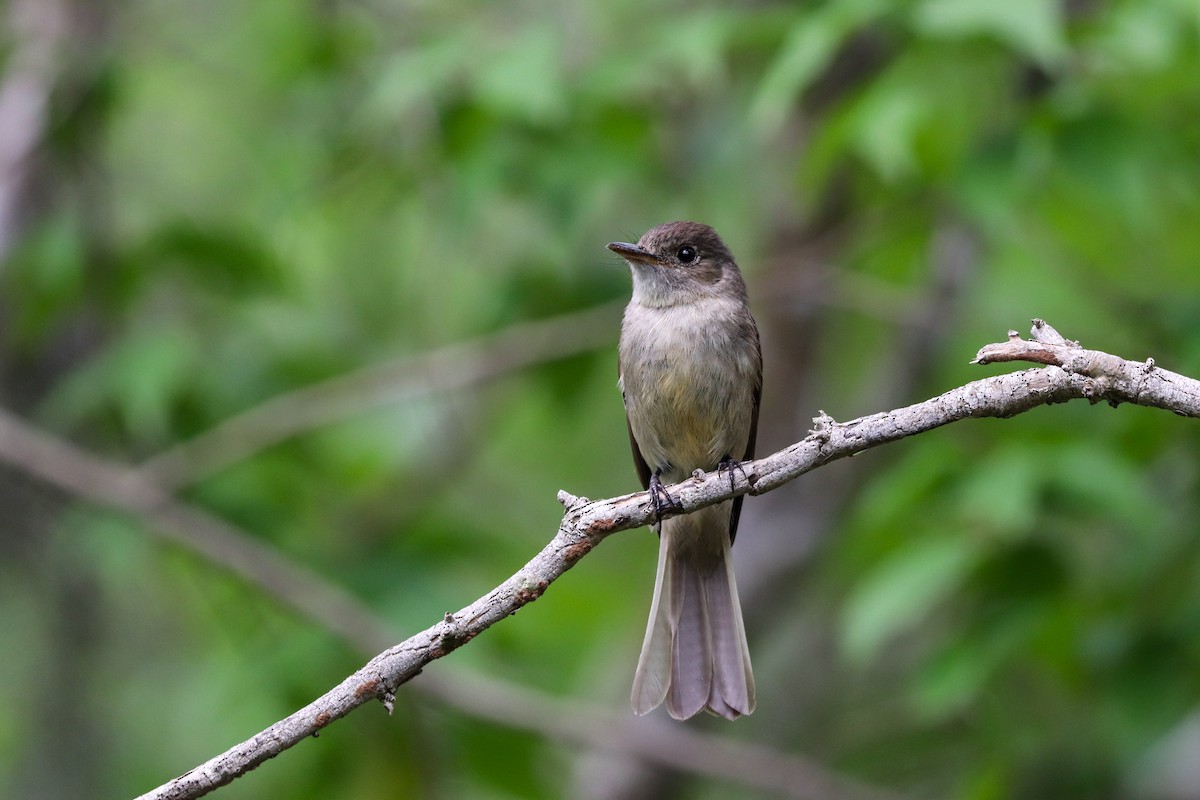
x=736 y=511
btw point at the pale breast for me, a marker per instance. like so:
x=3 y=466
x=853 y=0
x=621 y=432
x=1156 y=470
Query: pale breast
x=688 y=376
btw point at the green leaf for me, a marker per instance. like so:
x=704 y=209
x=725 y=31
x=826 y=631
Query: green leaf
x=1033 y=27
x=885 y=127
x=809 y=48
x=47 y=270
x=216 y=256
x=1001 y=489
x=524 y=80
x=139 y=376
x=901 y=590
x=957 y=676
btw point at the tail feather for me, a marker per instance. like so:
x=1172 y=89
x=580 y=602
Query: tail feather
x=652 y=679
x=733 y=680
x=691 y=653
x=694 y=655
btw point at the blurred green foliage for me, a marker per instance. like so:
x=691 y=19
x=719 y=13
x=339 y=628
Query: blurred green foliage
x=233 y=201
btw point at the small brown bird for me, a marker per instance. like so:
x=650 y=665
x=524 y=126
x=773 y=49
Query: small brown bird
x=691 y=377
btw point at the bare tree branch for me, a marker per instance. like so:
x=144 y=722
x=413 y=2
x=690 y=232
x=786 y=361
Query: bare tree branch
x=452 y=367
x=1101 y=376
x=586 y=523
x=120 y=487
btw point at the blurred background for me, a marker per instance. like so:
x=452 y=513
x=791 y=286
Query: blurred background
x=330 y=277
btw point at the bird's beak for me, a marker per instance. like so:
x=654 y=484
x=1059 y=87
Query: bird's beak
x=632 y=252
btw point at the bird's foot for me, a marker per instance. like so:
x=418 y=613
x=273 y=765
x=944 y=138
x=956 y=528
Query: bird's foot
x=730 y=465
x=661 y=499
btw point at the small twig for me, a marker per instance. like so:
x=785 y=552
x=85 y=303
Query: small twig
x=1101 y=376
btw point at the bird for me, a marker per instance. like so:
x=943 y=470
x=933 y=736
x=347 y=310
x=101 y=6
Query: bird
x=690 y=375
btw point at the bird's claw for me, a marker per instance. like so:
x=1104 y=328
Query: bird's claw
x=661 y=499
x=731 y=465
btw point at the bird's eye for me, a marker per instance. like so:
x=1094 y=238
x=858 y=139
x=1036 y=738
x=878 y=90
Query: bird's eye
x=687 y=254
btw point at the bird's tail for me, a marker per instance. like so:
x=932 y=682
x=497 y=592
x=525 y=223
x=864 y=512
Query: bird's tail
x=695 y=655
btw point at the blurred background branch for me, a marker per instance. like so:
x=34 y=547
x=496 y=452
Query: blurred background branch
x=447 y=369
